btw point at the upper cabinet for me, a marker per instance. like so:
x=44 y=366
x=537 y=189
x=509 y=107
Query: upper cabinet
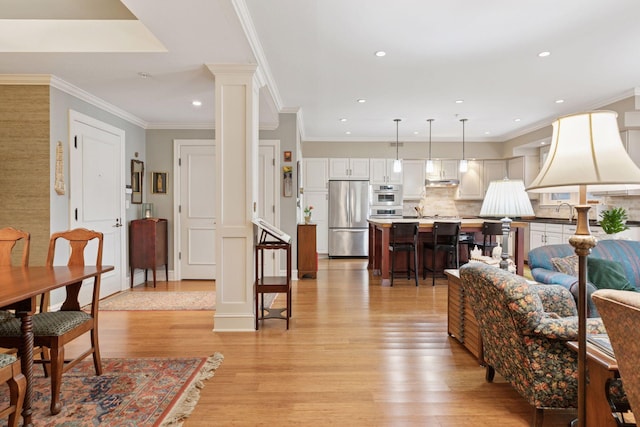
x=354 y=169
x=494 y=170
x=413 y=174
x=381 y=172
x=444 y=170
x=471 y=185
x=524 y=168
x=315 y=174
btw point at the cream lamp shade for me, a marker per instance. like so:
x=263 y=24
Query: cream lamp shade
x=506 y=198
x=586 y=150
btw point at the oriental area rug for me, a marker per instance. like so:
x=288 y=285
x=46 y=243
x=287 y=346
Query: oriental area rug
x=166 y=300
x=130 y=392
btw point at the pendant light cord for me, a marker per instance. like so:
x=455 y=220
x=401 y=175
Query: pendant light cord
x=463 y=121
x=397 y=140
x=430 y=123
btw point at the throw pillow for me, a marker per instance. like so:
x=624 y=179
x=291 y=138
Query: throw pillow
x=567 y=265
x=605 y=274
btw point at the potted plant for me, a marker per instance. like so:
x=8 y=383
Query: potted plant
x=614 y=220
x=307 y=214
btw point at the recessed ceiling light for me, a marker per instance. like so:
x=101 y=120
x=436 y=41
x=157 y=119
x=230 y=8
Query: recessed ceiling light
x=415 y=132
x=381 y=53
x=343 y=120
x=516 y=120
x=362 y=101
x=459 y=101
x=144 y=75
x=487 y=133
x=348 y=132
x=559 y=101
x=544 y=54
x=196 y=103
x=543 y=143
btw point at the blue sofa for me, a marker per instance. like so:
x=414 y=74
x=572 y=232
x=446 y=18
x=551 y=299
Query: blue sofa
x=626 y=252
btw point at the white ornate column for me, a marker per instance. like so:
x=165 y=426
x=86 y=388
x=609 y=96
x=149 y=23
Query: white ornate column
x=236 y=134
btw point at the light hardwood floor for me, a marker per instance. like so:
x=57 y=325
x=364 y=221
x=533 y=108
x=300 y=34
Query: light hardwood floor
x=356 y=354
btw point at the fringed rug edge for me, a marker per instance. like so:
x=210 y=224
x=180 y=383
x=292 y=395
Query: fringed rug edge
x=185 y=405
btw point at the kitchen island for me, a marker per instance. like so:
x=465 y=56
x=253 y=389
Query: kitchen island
x=379 y=237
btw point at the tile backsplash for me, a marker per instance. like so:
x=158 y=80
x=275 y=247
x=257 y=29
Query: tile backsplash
x=441 y=201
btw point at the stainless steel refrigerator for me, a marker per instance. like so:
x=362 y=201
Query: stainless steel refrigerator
x=348 y=226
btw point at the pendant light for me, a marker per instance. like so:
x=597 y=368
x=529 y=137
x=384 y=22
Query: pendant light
x=463 y=163
x=397 y=164
x=429 y=168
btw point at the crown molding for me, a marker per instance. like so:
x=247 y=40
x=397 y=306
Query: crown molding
x=58 y=83
x=264 y=73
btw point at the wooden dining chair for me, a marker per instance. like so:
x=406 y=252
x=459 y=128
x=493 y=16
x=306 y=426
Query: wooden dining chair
x=52 y=330
x=11 y=374
x=9 y=237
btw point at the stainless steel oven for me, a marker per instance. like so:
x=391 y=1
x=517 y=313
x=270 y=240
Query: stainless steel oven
x=385 y=212
x=385 y=195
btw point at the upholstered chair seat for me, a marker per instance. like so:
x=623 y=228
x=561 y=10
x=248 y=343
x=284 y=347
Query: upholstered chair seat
x=46 y=324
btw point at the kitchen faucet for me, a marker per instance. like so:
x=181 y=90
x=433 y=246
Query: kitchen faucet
x=570 y=210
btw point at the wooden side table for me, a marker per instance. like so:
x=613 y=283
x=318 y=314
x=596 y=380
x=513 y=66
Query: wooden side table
x=461 y=322
x=307 y=254
x=148 y=246
x=600 y=368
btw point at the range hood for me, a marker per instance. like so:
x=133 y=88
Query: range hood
x=431 y=183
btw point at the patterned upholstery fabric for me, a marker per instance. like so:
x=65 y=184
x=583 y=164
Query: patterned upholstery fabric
x=620 y=312
x=626 y=252
x=524 y=329
x=48 y=323
x=6 y=359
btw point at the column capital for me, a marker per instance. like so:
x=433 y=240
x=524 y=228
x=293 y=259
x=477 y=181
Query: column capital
x=219 y=69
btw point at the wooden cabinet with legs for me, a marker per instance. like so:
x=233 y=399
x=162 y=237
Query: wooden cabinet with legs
x=148 y=246
x=307 y=254
x=461 y=323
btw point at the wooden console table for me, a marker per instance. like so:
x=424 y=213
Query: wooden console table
x=461 y=322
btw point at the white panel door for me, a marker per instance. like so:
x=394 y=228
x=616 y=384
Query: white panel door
x=96 y=194
x=197 y=212
x=267 y=207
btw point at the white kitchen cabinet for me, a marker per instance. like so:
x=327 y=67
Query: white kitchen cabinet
x=413 y=175
x=381 y=172
x=524 y=168
x=543 y=234
x=493 y=170
x=315 y=174
x=319 y=216
x=471 y=185
x=444 y=170
x=345 y=168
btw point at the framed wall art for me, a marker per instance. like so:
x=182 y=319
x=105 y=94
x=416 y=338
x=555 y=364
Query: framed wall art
x=159 y=182
x=137 y=173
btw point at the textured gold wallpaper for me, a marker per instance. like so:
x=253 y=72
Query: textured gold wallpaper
x=25 y=164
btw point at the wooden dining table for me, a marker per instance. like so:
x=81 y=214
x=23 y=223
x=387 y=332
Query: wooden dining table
x=19 y=287
x=380 y=231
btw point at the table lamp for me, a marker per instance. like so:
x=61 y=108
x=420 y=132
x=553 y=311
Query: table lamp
x=586 y=155
x=506 y=198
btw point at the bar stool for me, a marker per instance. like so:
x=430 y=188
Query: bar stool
x=445 y=238
x=490 y=230
x=404 y=238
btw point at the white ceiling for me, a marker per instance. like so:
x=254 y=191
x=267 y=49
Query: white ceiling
x=318 y=56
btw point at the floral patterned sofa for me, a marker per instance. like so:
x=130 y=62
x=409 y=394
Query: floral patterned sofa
x=626 y=252
x=524 y=328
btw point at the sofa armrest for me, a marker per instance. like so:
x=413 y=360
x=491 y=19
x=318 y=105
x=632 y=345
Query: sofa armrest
x=565 y=328
x=556 y=299
x=552 y=277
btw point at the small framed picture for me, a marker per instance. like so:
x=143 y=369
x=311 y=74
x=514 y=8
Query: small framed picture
x=159 y=182
x=287 y=156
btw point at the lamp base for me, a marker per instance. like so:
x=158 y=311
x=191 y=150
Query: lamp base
x=506 y=229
